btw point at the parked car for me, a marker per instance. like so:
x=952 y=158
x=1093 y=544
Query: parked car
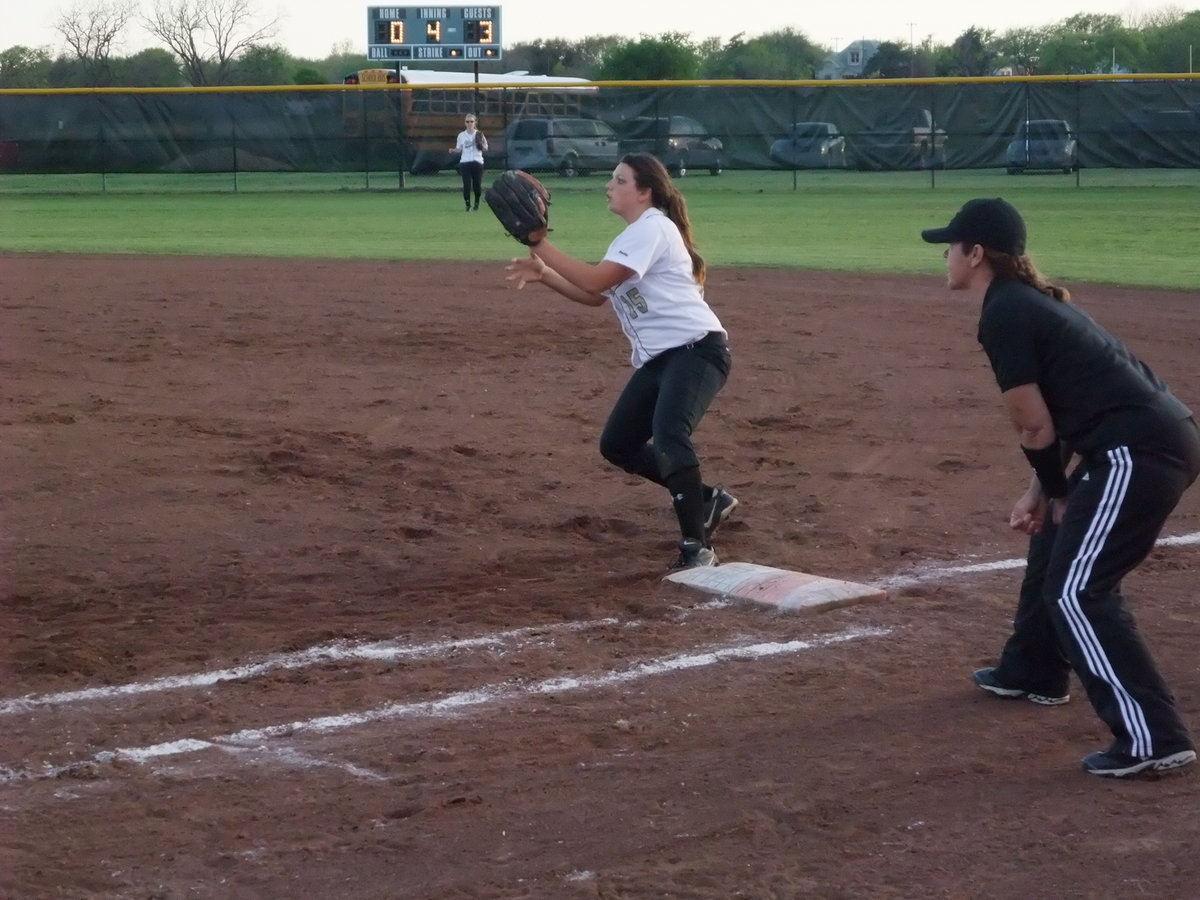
x=681 y=143
x=907 y=140
x=568 y=146
x=810 y=145
x=1042 y=144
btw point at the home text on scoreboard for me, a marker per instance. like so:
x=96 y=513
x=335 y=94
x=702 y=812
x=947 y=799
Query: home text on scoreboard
x=433 y=32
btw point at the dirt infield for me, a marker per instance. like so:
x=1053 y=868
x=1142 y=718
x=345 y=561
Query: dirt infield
x=315 y=585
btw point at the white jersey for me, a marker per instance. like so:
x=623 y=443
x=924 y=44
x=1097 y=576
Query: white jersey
x=660 y=306
x=467 y=151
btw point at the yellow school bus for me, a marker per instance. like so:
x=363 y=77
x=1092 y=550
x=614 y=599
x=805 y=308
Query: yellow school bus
x=421 y=111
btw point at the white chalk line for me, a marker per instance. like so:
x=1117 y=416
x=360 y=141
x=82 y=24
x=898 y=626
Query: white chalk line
x=462 y=700
x=942 y=573
x=338 y=651
x=391 y=650
x=448 y=706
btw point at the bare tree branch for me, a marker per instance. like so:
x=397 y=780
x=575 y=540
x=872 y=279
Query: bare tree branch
x=208 y=35
x=92 y=31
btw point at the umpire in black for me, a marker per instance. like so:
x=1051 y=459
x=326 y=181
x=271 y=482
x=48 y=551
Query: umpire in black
x=1073 y=391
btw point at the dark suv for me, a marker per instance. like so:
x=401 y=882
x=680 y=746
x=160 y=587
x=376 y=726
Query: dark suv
x=679 y=142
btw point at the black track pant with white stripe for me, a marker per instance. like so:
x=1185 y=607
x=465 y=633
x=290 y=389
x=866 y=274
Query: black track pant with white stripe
x=1115 y=512
x=1033 y=660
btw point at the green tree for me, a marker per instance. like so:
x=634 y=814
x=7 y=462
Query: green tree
x=309 y=75
x=669 y=57
x=592 y=52
x=1021 y=49
x=925 y=57
x=343 y=60
x=1172 y=42
x=784 y=55
x=970 y=55
x=70 y=72
x=152 y=67
x=262 y=64
x=723 y=61
x=24 y=67
x=891 y=60
x=558 y=56
x=548 y=57
x=1090 y=43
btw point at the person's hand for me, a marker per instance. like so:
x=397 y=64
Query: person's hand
x=524 y=269
x=1029 y=513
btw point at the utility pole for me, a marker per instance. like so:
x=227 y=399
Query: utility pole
x=912 y=51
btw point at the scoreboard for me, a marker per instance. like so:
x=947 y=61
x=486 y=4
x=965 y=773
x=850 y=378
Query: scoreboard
x=433 y=32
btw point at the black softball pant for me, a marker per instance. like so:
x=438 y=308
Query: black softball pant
x=472 y=180
x=649 y=431
x=1071 y=608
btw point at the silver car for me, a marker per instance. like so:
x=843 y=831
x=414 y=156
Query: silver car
x=568 y=146
x=810 y=145
x=1042 y=144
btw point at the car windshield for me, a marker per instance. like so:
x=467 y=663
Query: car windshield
x=1045 y=131
x=529 y=131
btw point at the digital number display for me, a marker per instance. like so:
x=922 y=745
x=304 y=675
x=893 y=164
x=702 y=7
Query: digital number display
x=433 y=32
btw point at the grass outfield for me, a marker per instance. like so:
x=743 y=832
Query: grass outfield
x=1137 y=228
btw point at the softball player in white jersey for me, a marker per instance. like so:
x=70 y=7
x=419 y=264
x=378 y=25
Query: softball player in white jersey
x=469 y=145
x=653 y=278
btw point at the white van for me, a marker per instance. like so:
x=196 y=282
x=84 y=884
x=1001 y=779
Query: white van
x=568 y=146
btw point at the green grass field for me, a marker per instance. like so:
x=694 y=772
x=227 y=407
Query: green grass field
x=1127 y=227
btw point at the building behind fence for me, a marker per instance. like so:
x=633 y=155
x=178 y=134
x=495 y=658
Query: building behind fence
x=983 y=123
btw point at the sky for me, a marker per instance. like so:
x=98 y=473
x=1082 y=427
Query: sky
x=313 y=28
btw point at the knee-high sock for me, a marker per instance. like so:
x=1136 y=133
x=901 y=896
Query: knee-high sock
x=687 y=496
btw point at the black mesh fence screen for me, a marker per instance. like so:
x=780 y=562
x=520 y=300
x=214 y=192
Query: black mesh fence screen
x=1014 y=124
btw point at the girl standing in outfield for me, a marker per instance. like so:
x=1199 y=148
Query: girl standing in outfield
x=470 y=146
x=654 y=279
x=1072 y=389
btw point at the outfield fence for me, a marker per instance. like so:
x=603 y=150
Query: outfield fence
x=377 y=135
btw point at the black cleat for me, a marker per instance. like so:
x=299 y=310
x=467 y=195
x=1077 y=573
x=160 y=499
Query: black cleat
x=693 y=555
x=986 y=680
x=1113 y=764
x=717 y=509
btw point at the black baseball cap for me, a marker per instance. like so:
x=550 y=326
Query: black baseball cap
x=992 y=223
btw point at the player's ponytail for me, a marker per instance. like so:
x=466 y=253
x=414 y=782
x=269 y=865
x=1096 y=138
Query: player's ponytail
x=650 y=174
x=1021 y=268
